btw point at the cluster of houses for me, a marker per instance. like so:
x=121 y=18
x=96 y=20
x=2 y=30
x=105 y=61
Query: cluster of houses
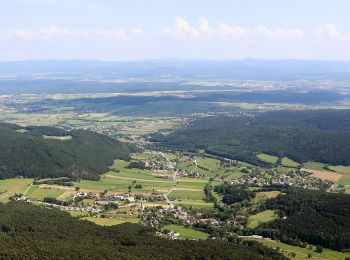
x=82 y=208
x=293 y=179
x=154 y=217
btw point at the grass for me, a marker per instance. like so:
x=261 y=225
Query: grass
x=186 y=195
x=11 y=186
x=194 y=204
x=324 y=174
x=314 y=166
x=187 y=233
x=341 y=169
x=78 y=213
x=261 y=217
x=121 y=178
x=302 y=253
x=267 y=158
x=289 y=163
x=38 y=193
x=61 y=138
x=113 y=221
x=344 y=180
x=264 y=195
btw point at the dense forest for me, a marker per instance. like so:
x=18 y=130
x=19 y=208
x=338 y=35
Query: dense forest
x=316 y=217
x=233 y=194
x=28 y=231
x=41 y=152
x=322 y=135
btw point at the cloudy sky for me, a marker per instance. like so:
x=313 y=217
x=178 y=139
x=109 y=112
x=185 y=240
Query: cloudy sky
x=156 y=29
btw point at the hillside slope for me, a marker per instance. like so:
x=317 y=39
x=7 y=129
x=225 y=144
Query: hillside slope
x=41 y=152
x=30 y=232
x=321 y=136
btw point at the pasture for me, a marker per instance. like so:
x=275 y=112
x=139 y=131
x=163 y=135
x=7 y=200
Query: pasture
x=122 y=179
x=39 y=193
x=120 y=219
x=340 y=168
x=9 y=187
x=187 y=233
x=302 y=253
x=323 y=174
x=261 y=217
x=186 y=195
x=267 y=158
x=289 y=163
x=260 y=197
x=314 y=166
x=344 y=180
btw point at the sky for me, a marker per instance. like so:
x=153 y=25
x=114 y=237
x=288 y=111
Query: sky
x=184 y=29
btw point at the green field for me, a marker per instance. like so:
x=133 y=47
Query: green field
x=314 y=166
x=264 y=195
x=344 y=180
x=186 y=195
x=267 y=158
x=302 y=253
x=194 y=203
x=120 y=178
x=78 y=213
x=261 y=217
x=11 y=186
x=187 y=233
x=38 y=193
x=341 y=169
x=113 y=221
x=289 y=163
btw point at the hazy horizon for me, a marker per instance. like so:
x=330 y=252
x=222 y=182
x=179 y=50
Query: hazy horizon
x=154 y=29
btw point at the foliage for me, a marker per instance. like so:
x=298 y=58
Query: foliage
x=28 y=231
x=233 y=194
x=316 y=217
x=302 y=136
x=28 y=154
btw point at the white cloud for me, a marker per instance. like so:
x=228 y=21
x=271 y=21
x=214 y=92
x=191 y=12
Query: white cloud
x=181 y=29
x=231 y=31
x=279 y=33
x=331 y=31
x=115 y=33
x=22 y=34
x=204 y=26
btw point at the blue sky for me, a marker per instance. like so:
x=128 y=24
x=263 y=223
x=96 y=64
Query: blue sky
x=155 y=29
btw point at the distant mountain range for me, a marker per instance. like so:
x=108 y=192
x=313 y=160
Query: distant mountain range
x=248 y=69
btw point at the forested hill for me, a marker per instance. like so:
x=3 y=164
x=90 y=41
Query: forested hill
x=322 y=136
x=30 y=232
x=51 y=152
x=316 y=217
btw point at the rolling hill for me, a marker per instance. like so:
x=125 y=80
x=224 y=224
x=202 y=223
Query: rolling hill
x=302 y=136
x=40 y=152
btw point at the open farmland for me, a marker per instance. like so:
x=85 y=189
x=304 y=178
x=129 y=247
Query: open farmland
x=261 y=217
x=113 y=221
x=186 y=233
x=289 y=163
x=267 y=158
x=9 y=187
x=302 y=253
x=323 y=174
x=40 y=193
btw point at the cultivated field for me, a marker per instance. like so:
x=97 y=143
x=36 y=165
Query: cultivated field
x=187 y=233
x=9 y=187
x=323 y=174
x=267 y=158
x=261 y=217
x=302 y=253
